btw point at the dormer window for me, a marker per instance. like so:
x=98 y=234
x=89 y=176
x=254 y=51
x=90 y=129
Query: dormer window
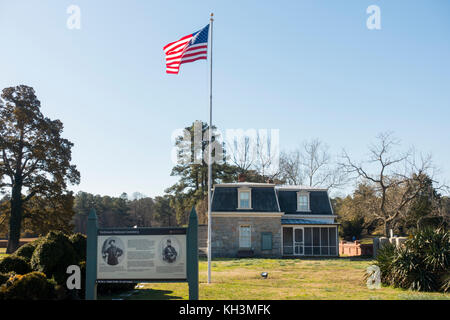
x=303 y=201
x=244 y=199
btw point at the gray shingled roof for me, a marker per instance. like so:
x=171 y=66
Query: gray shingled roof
x=226 y=199
x=319 y=202
x=264 y=198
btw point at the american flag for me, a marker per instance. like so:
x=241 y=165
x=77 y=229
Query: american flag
x=190 y=48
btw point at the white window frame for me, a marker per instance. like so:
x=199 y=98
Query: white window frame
x=303 y=193
x=240 y=236
x=241 y=190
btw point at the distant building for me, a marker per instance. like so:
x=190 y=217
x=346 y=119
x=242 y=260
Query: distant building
x=262 y=219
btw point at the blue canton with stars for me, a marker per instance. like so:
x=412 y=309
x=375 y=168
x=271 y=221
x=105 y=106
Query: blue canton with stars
x=200 y=36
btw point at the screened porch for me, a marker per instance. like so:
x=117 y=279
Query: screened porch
x=305 y=240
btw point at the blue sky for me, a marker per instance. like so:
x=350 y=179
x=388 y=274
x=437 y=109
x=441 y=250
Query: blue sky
x=311 y=69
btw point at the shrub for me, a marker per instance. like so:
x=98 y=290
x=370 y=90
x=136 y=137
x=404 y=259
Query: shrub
x=421 y=264
x=26 y=251
x=352 y=228
x=31 y=286
x=79 y=244
x=53 y=255
x=385 y=257
x=433 y=245
x=4 y=277
x=406 y=271
x=446 y=282
x=15 y=264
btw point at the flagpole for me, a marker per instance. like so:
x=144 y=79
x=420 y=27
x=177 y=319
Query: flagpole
x=210 y=149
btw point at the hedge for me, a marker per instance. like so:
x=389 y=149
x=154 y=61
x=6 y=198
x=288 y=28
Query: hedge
x=15 y=264
x=53 y=255
x=31 y=286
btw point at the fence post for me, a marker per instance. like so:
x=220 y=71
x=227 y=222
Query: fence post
x=91 y=257
x=376 y=246
x=192 y=255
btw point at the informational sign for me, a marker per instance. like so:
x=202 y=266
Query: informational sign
x=141 y=254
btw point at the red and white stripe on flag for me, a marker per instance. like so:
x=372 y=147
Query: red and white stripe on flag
x=190 y=48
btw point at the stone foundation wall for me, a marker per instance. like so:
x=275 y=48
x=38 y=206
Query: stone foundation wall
x=225 y=235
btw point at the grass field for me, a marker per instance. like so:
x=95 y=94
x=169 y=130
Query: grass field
x=340 y=278
x=2 y=252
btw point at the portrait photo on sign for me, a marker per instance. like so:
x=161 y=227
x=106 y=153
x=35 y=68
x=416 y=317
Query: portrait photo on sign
x=170 y=250
x=113 y=251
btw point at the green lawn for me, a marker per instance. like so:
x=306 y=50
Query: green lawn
x=340 y=278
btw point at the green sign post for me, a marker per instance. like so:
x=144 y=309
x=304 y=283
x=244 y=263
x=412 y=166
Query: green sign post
x=91 y=256
x=192 y=255
x=146 y=236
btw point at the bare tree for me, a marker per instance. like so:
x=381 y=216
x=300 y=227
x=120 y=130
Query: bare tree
x=315 y=156
x=311 y=165
x=398 y=178
x=266 y=156
x=290 y=167
x=444 y=209
x=242 y=153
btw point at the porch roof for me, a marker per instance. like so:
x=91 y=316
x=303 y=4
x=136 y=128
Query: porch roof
x=306 y=221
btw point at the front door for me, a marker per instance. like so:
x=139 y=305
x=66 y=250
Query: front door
x=298 y=241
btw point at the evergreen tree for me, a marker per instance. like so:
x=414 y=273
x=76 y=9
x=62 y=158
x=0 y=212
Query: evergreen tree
x=164 y=212
x=192 y=186
x=35 y=158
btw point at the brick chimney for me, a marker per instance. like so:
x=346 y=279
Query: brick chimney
x=241 y=177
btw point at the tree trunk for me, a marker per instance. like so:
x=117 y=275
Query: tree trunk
x=387 y=227
x=15 y=221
